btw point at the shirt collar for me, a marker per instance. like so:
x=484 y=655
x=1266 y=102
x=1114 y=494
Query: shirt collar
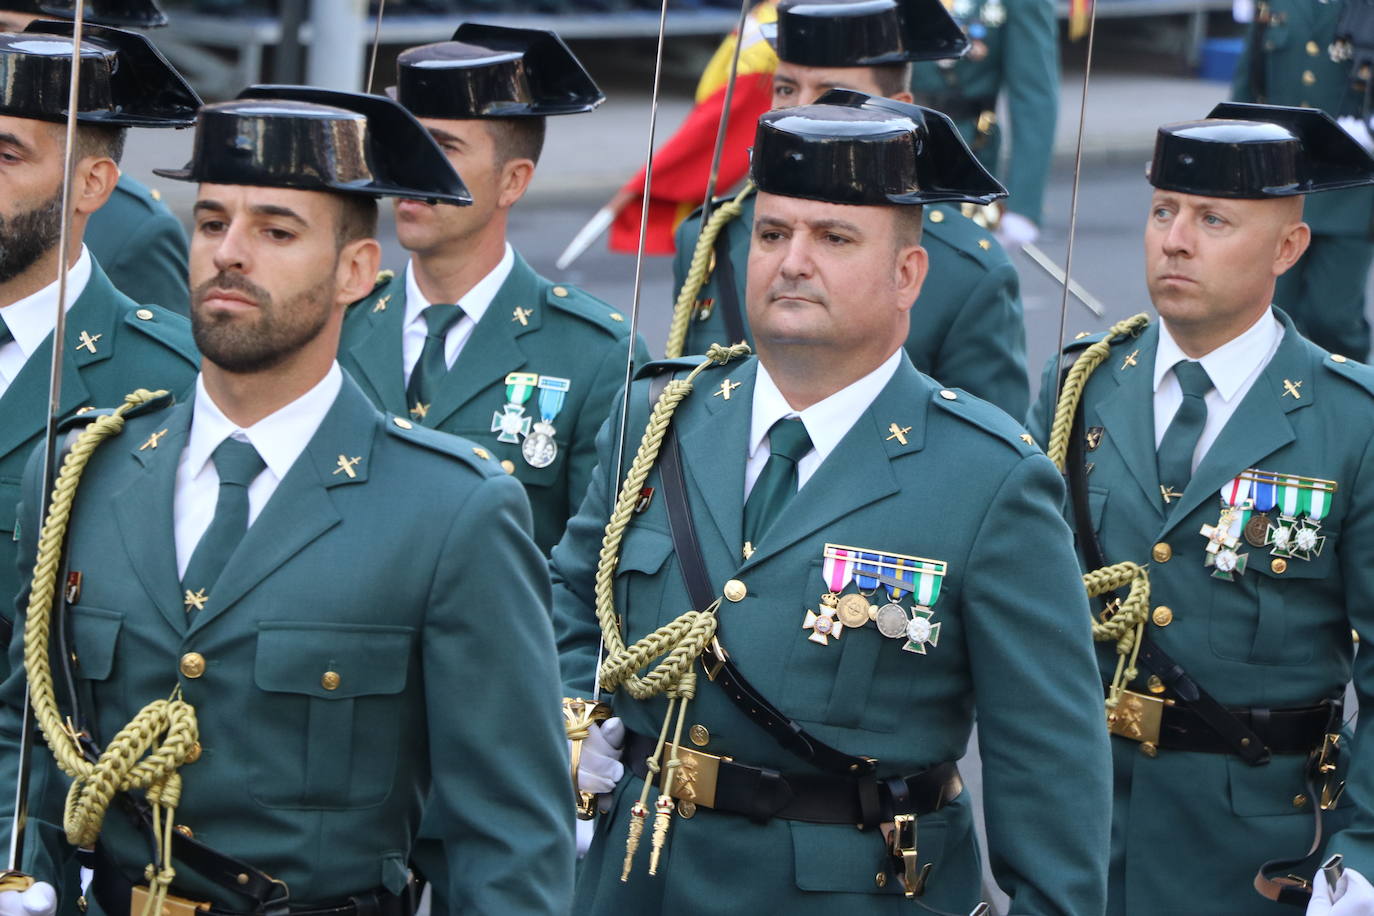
x=827 y=421
x=31 y=319
x=476 y=301
x=279 y=437
x=1229 y=365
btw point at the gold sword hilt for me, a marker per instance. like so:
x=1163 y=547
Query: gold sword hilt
x=579 y=716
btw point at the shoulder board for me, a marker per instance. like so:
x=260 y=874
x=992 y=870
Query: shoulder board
x=1084 y=339
x=139 y=194
x=471 y=454
x=80 y=421
x=166 y=327
x=1358 y=373
x=660 y=366
x=986 y=417
x=695 y=215
x=958 y=230
x=584 y=305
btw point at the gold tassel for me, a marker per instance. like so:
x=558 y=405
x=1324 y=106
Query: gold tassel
x=637 y=815
x=662 y=819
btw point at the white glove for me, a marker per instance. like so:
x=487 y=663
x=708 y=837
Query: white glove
x=39 y=900
x=1015 y=230
x=1358 y=129
x=1355 y=896
x=600 y=768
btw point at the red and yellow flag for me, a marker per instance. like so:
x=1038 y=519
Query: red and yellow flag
x=1080 y=11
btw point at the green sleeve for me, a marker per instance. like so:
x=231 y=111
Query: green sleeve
x=1031 y=75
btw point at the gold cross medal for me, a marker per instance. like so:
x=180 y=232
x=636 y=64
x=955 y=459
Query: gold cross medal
x=823 y=626
x=539 y=447
x=510 y=421
x=1223 y=538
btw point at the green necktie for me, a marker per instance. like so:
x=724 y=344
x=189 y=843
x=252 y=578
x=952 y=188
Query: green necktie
x=431 y=368
x=1175 y=454
x=237 y=463
x=787 y=443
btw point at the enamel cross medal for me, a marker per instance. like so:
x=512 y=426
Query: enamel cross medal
x=510 y=421
x=1223 y=538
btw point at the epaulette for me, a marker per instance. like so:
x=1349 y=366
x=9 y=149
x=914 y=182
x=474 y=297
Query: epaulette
x=166 y=327
x=695 y=215
x=986 y=417
x=1084 y=339
x=85 y=417
x=1358 y=373
x=958 y=229
x=659 y=366
x=471 y=454
x=584 y=305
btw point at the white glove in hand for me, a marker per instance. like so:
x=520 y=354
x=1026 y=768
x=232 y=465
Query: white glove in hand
x=600 y=768
x=1354 y=896
x=39 y=900
x=1015 y=230
x=1358 y=129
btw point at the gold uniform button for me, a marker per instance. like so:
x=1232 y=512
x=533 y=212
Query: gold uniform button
x=561 y=292
x=1308 y=77
x=735 y=590
x=403 y=423
x=330 y=680
x=937 y=216
x=1279 y=565
x=700 y=735
x=984 y=244
x=1162 y=552
x=616 y=316
x=508 y=466
x=1162 y=616
x=1337 y=358
x=1312 y=49
x=144 y=314
x=1299 y=801
x=192 y=664
x=686 y=809
x=482 y=453
x=947 y=394
x=1154 y=684
x=880 y=879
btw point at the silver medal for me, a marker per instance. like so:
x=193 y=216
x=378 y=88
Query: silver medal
x=892 y=621
x=539 y=447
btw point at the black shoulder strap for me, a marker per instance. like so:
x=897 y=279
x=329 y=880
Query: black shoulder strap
x=727 y=294
x=720 y=669
x=1243 y=742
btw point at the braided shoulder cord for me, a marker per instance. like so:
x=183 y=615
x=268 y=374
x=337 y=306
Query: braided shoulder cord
x=1077 y=380
x=147 y=752
x=697 y=272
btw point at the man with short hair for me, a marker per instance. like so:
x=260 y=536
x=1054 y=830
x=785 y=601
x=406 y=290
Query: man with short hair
x=860 y=559
x=967 y=330
x=299 y=572
x=1227 y=458
x=468 y=338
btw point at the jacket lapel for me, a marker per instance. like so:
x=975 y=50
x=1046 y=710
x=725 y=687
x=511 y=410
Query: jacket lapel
x=144 y=514
x=1126 y=412
x=715 y=453
x=302 y=508
x=378 y=353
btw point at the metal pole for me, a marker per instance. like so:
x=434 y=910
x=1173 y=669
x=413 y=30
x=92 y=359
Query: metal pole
x=338 y=35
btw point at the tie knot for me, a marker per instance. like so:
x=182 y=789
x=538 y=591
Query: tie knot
x=237 y=462
x=439 y=318
x=788 y=439
x=1192 y=378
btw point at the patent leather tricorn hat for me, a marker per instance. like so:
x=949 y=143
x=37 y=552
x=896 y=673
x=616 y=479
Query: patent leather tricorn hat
x=852 y=148
x=864 y=33
x=319 y=140
x=492 y=71
x=124 y=80
x=124 y=14
x=1257 y=152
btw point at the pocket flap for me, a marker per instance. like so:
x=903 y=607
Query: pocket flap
x=332 y=661
x=644 y=550
x=95 y=633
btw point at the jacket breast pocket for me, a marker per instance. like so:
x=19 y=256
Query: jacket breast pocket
x=95 y=641
x=642 y=580
x=331 y=713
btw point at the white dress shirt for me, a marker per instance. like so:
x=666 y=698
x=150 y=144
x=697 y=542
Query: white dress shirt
x=827 y=421
x=279 y=438
x=32 y=318
x=1233 y=368
x=474 y=306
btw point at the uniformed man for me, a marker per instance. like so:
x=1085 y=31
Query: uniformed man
x=967 y=331
x=138 y=241
x=300 y=574
x=1228 y=454
x=1013 y=52
x=112 y=345
x=898 y=567
x=468 y=338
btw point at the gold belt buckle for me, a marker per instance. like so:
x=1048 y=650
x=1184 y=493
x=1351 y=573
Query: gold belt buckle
x=1137 y=717
x=172 y=906
x=696 y=777
x=901 y=845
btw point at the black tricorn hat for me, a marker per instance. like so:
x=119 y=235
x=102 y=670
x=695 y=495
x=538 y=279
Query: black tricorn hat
x=127 y=14
x=864 y=33
x=852 y=148
x=319 y=140
x=1257 y=152
x=493 y=71
x=125 y=81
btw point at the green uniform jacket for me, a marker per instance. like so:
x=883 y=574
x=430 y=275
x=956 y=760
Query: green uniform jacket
x=566 y=333
x=1015 y=46
x=135 y=347
x=1014 y=650
x=142 y=246
x=1275 y=637
x=967 y=327
x=1298 y=70
x=416 y=581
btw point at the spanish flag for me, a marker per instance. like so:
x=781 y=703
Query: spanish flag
x=682 y=164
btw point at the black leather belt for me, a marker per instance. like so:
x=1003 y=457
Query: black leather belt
x=1176 y=727
x=959 y=107
x=760 y=794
